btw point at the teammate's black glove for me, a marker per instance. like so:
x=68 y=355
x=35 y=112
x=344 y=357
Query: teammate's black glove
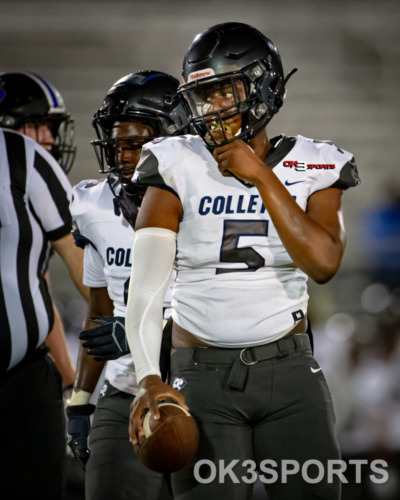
x=107 y=341
x=78 y=431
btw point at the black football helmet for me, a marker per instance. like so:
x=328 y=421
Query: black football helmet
x=147 y=96
x=232 y=55
x=26 y=97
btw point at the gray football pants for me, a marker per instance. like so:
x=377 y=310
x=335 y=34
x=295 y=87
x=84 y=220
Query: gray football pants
x=113 y=471
x=266 y=409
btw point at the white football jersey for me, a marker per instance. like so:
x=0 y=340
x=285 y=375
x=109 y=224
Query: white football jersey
x=107 y=260
x=236 y=284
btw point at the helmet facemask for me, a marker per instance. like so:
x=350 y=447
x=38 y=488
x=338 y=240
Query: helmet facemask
x=118 y=156
x=63 y=148
x=62 y=130
x=108 y=151
x=214 y=107
x=255 y=95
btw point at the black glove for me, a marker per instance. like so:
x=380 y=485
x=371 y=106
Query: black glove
x=107 y=341
x=78 y=431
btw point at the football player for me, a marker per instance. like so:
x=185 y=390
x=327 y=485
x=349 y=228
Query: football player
x=248 y=220
x=137 y=109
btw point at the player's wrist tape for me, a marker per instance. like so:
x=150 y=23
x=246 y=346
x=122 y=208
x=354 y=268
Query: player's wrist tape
x=80 y=397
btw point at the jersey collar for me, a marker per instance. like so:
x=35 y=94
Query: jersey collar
x=282 y=144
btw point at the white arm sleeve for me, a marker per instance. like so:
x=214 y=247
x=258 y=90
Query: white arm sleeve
x=153 y=258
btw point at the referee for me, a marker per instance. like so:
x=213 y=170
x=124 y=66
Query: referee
x=34 y=219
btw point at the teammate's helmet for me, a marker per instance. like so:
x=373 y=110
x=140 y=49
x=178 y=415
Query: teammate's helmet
x=232 y=54
x=27 y=98
x=147 y=96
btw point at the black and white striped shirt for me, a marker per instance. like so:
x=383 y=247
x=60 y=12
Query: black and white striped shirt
x=34 y=210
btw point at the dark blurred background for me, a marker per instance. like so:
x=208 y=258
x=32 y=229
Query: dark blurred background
x=346 y=90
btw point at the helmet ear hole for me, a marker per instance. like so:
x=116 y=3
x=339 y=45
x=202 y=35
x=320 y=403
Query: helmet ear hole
x=259 y=111
x=274 y=85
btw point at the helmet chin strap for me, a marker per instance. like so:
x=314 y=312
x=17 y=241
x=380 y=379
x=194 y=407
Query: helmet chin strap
x=289 y=75
x=111 y=181
x=127 y=201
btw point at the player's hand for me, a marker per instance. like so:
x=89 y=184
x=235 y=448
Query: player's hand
x=107 y=341
x=78 y=429
x=151 y=390
x=238 y=159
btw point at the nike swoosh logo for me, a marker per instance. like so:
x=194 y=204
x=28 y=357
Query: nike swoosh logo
x=315 y=370
x=287 y=183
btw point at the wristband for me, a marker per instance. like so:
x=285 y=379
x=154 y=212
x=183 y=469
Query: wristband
x=79 y=410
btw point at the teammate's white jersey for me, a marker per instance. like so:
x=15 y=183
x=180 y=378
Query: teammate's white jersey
x=236 y=284
x=107 y=260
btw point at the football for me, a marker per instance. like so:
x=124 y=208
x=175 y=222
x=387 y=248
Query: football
x=171 y=442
